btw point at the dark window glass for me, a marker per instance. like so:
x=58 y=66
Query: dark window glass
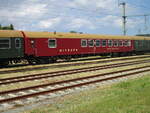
x=110 y=43
x=4 y=43
x=120 y=43
x=84 y=43
x=115 y=43
x=125 y=43
x=139 y=43
x=103 y=43
x=98 y=43
x=91 y=43
x=18 y=43
x=52 y=43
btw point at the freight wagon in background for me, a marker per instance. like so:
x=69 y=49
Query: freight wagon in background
x=46 y=47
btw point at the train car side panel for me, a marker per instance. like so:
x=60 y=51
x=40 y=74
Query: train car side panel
x=142 y=45
x=11 y=48
x=66 y=46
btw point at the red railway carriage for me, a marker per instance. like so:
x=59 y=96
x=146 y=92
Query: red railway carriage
x=63 y=45
x=45 y=47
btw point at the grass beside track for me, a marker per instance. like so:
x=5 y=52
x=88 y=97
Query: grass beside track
x=132 y=96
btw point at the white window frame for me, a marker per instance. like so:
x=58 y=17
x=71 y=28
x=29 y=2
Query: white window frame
x=121 y=43
x=89 y=44
x=83 y=40
x=99 y=43
x=9 y=42
x=129 y=43
x=55 y=43
x=117 y=43
x=105 y=43
x=126 y=43
x=111 y=43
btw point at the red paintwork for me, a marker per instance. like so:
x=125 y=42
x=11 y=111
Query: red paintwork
x=28 y=50
x=67 y=46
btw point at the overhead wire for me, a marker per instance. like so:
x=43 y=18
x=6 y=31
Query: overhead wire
x=140 y=6
x=145 y=15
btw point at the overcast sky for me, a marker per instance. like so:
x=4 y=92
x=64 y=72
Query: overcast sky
x=87 y=16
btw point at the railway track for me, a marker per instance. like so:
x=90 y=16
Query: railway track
x=63 y=87
x=67 y=65
x=5 y=81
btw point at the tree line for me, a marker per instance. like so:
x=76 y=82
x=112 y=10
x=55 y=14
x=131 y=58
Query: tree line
x=10 y=27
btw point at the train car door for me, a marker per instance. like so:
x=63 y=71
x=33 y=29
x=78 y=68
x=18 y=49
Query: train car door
x=18 y=47
x=33 y=49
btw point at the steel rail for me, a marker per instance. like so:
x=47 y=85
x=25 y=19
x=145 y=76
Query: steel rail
x=65 y=81
x=42 y=74
x=74 y=64
x=73 y=71
x=77 y=85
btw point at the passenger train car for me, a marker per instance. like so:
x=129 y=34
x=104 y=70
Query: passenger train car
x=11 y=46
x=45 y=47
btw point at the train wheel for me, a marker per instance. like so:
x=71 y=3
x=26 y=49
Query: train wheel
x=53 y=60
x=68 y=58
x=112 y=55
x=31 y=61
x=43 y=61
x=115 y=55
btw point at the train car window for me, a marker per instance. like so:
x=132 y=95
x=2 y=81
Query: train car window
x=139 y=43
x=120 y=43
x=129 y=43
x=4 y=43
x=83 y=43
x=98 y=43
x=91 y=43
x=115 y=43
x=32 y=41
x=52 y=43
x=123 y=43
x=110 y=43
x=103 y=43
x=126 y=43
x=17 y=43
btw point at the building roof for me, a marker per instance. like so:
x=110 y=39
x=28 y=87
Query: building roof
x=10 y=33
x=77 y=35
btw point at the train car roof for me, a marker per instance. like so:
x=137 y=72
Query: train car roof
x=77 y=35
x=10 y=33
